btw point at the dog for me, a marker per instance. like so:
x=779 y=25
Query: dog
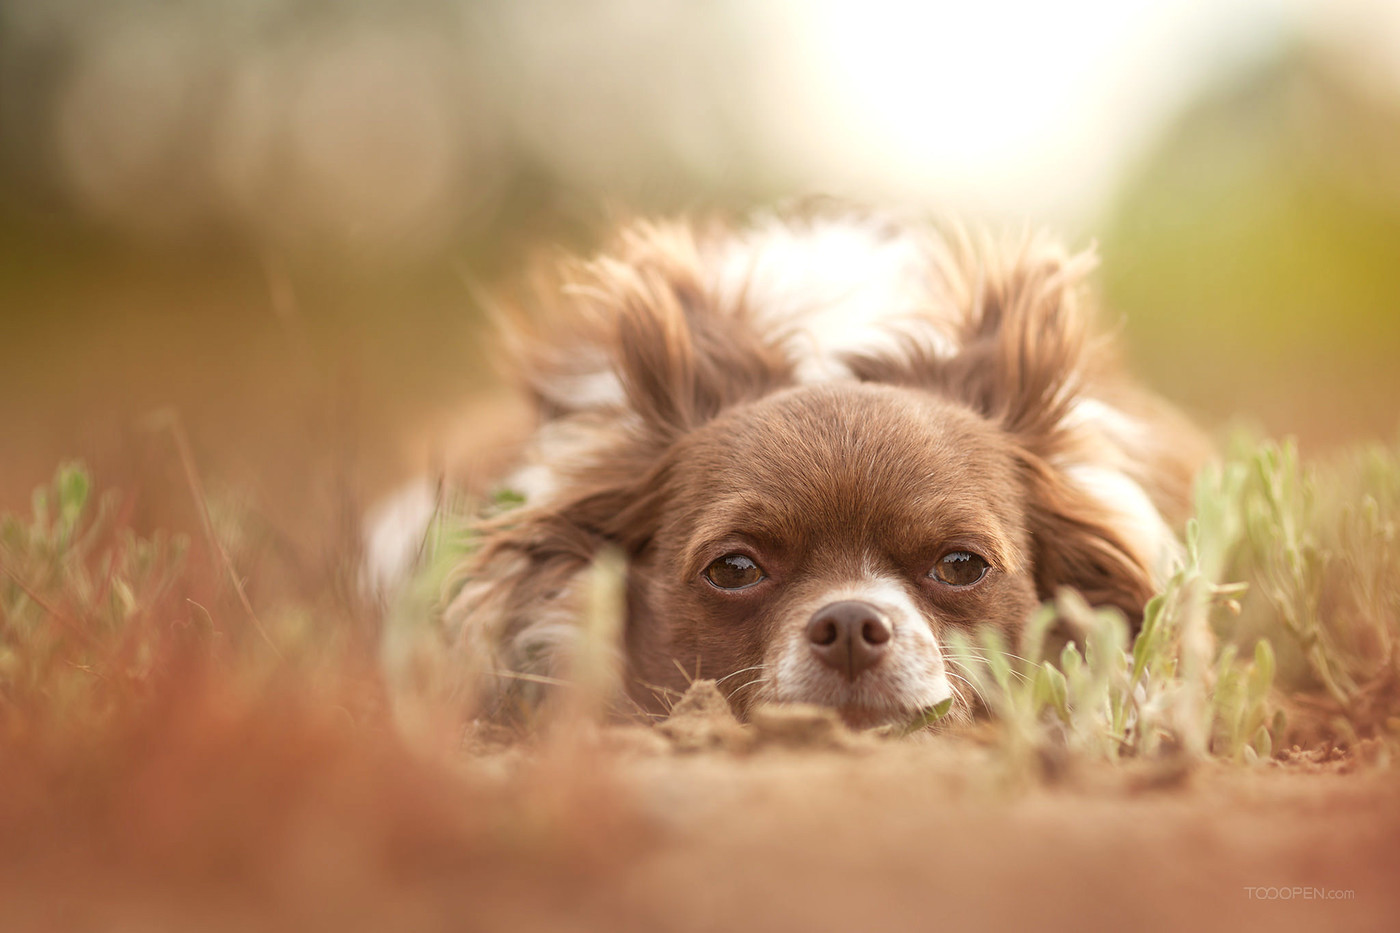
x=822 y=441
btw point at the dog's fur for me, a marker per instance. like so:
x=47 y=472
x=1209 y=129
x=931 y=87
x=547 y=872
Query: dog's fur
x=843 y=400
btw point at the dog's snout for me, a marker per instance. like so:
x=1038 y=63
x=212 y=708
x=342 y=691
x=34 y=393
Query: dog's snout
x=849 y=636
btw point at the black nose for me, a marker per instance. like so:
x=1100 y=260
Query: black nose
x=849 y=636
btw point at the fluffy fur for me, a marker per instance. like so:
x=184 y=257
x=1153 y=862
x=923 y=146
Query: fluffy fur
x=842 y=400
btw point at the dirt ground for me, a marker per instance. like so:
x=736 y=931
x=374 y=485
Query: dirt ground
x=290 y=818
x=907 y=841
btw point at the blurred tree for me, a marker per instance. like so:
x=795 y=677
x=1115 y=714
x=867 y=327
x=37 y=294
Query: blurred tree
x=370 y=133
x=272 y=213
x=1256 y=251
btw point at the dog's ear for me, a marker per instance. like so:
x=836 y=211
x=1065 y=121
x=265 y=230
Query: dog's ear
x=1028 y=363
x=641 y=330
x=1023 y=348
x=624 y=354
x=1012 y=338
x=517 y=613
x=1080 y=543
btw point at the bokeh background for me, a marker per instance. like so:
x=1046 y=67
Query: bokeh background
x=278 y=218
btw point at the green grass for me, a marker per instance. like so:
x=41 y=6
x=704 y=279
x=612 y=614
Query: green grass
x=79 y=601
x=1279 y=627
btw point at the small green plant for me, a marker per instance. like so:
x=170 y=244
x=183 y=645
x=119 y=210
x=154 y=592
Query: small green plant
x=78 y=596
x=415 y=653
x=929 y=717
x=1242 y=727
x=1322 y=546
x=1106 y=695
x=1321 y=578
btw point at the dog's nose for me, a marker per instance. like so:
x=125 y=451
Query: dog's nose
x=849 y=636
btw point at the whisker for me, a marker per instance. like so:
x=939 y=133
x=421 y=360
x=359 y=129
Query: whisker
x=1012 y=671
x=1023 y=677
x=532 y=678
x=975 y=689
x=742 y=670
x=1007 y=654
x=735 y=692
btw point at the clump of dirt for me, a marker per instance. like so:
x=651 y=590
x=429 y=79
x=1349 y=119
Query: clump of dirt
x=1339 y=759
x=703 y=700
x=703 y=721
x=802 y=725
x=632 y=741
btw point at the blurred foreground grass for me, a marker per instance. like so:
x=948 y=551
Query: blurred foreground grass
x=1279 y=629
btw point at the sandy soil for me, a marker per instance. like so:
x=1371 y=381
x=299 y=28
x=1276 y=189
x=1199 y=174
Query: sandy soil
x=280 y=818
x=907 y=839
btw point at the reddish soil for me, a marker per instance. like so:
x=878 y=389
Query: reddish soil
x=290 y=817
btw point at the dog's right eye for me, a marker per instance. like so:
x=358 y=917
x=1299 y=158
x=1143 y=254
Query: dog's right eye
x=960 y=568
x=733 y=572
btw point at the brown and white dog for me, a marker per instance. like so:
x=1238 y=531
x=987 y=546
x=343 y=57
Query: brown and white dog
x=822 y=442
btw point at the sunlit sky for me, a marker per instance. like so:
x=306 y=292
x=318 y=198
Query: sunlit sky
x=1029 y=109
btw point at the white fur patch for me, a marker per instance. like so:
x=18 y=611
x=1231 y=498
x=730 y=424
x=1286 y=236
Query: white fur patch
x=1116 y=441
x=534 y=482
x=1138 y=521
x=839 y=287
x=557 y=447
x=1101 y=417
x=590 y=390
x=394 y=530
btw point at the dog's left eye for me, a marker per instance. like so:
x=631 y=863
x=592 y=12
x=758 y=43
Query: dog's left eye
x=959 y=568
x=733 y=572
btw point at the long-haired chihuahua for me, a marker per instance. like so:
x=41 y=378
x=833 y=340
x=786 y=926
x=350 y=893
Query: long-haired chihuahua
x=822 y=443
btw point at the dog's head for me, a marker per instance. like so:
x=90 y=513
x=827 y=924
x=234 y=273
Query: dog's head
x=817 y=545
x=807 y=517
